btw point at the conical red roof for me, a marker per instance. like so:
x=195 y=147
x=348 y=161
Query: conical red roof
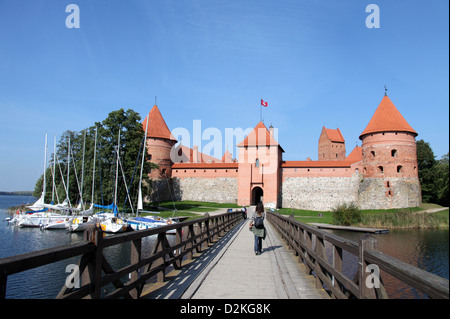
x=260 y=136
x=387 y=119
x=157 y=127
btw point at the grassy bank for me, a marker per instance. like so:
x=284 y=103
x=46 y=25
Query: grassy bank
x=404 y=218
x=185 y=208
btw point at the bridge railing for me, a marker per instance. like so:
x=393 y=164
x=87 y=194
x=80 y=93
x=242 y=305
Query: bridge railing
x=95 y=271
x=308 y=243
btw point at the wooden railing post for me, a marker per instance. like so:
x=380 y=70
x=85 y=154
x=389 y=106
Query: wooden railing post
x=135 y=257
x=98 y=239
x=320 y=252
x=366 y=242
x=93 y=270
x=337 y=263
x=3 y=283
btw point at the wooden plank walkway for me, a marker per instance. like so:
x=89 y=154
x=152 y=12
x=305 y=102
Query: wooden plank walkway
x=230 y=270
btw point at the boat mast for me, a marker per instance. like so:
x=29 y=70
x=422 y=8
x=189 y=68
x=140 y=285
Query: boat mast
x=140 y=204
x=54 y=167
x=82 y=172
x=93 y=171
x=117 y=171
x=45 y=166
x=68 y=170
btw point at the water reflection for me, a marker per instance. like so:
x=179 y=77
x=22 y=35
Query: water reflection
x=425 y=249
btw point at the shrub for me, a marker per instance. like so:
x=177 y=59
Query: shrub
x=346 y=214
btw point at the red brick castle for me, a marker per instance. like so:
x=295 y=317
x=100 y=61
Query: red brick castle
x=382 y=173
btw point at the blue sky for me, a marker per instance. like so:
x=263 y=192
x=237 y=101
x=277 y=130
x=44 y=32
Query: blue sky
x=314 y=62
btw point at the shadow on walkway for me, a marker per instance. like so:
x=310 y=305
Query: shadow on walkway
x=179 y=281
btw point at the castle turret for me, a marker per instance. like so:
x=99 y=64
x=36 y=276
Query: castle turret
x=259 y=178
x=390 y=159
x=331 y=145
x=159 y=144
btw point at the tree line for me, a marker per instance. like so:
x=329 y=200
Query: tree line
x=78 y=184
x=433 y=175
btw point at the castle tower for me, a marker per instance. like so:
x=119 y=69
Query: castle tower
x=331 y=145
x=259 y=178
x=159 y=144
x=389 y=160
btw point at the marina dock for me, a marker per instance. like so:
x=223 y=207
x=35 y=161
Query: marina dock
x=351 y=228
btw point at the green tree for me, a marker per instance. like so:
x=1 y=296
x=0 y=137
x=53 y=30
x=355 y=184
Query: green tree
x=427 y=174
x=442 y=180
x=82 y=145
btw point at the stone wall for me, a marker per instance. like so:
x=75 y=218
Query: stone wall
x=379 y=193
x=219 y=189
x=319 y=193
x=161 y=190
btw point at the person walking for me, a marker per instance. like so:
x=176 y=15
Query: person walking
x=257 y=227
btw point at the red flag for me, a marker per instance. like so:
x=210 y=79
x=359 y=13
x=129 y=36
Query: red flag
x=263 y=103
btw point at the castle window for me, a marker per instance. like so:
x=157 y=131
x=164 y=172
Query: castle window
x=399 y=168
x=373 y=153
x=149 y=157
x=380 y=168
x=336 y=155
x=388 y=184
x=257 y=162
x=164 y=171
x=394 y=153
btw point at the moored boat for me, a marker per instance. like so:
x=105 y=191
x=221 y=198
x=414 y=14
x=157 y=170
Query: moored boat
x=59 y=224
x=114 y=225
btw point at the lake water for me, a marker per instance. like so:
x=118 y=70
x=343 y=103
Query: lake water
x=426 y=249
x=46 y=281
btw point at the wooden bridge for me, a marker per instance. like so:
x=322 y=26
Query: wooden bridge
x=212 y=257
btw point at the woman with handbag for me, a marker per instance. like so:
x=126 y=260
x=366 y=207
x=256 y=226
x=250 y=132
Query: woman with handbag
x=257 y=227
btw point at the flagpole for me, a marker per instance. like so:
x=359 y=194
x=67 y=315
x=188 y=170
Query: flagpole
x=260 y=112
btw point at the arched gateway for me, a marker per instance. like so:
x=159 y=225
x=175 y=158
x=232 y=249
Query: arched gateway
x=257 y=195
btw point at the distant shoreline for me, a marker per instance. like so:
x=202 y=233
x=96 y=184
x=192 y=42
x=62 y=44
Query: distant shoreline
x=18 y=193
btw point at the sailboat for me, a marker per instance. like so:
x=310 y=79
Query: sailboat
x=66 y=208
x=87 y=218
x=137 y=222
x=112 y=223
x=40 y=215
